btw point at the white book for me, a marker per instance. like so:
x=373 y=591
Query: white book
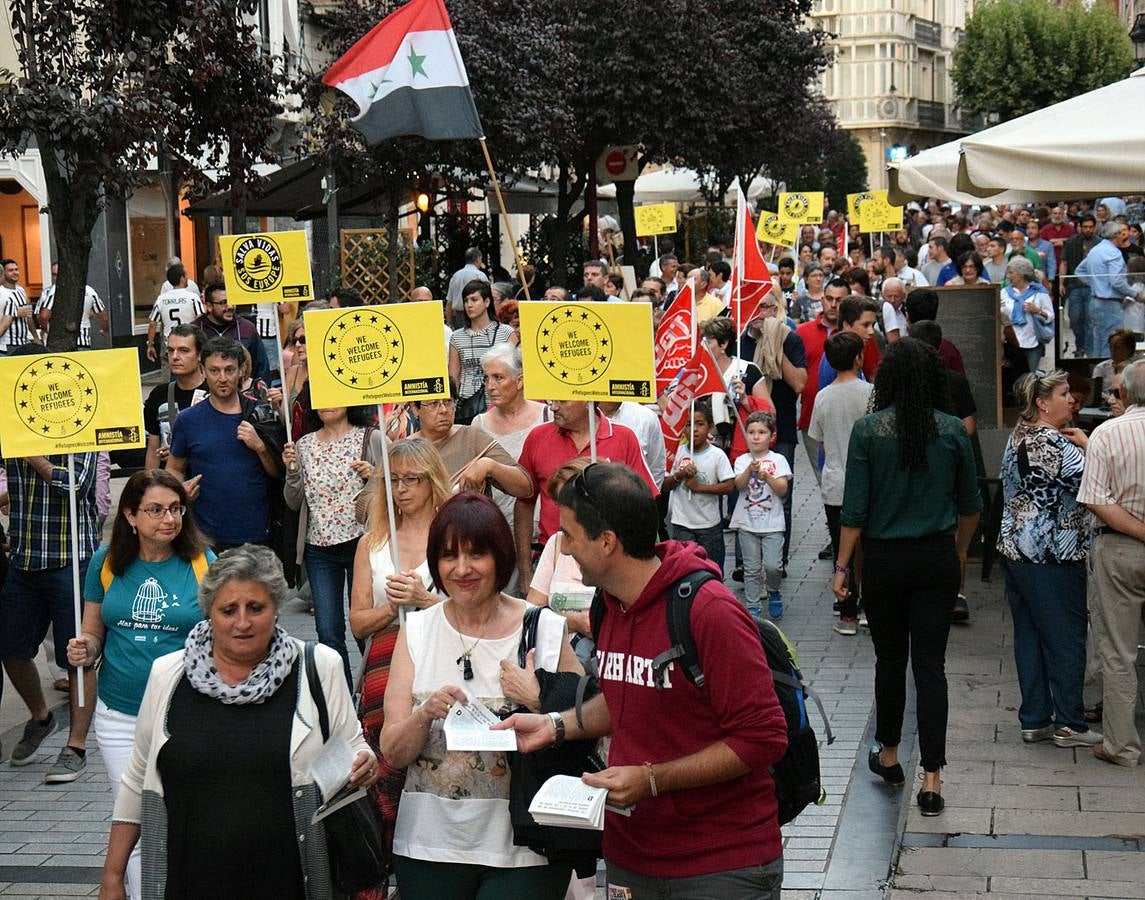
x=564 y=801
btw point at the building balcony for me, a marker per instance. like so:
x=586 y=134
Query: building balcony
x=931 y=114
x=927 y=33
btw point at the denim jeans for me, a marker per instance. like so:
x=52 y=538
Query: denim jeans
x=849 y=608
x=1105 y=317
x=711 y=539
x=762 y=557
x=909 y=587
x=331 y=573
x=1077 y=305
x=1047 y=604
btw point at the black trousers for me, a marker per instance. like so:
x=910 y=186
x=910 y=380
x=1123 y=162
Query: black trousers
x=909 y=587
x=849 y=608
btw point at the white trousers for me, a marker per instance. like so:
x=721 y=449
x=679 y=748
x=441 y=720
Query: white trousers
x=115 y=735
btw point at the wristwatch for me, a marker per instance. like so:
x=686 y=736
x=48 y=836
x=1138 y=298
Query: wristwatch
x=559 y=726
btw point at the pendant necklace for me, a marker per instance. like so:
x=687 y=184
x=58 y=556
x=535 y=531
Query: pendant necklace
x=464 y=660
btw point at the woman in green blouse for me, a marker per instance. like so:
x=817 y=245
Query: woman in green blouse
x=911 y=496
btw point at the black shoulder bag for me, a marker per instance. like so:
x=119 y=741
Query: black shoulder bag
x=577 y=847
x=355 y=842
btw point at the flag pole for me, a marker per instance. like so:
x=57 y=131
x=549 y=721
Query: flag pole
x=592 y=430
x=388 y=488
x=77 y=600
x=505 y=217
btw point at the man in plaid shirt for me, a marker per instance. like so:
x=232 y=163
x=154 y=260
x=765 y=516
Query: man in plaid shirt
x=38 y=592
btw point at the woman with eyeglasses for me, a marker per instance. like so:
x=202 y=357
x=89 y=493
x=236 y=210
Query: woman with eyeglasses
x=419 y=486
x=325 y=472
x=140 y=602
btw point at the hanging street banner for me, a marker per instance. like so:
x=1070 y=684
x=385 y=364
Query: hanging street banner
x=70 y=403
x=587 y=351
x=855 y=203
x=364 y=355
x=659 y=218
x=877 y=214
x=801 y=207
x=266 y=268
x=772 y=231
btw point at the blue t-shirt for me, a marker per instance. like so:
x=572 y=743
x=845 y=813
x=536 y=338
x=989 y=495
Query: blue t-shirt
x=232 y=506
x=148 y=612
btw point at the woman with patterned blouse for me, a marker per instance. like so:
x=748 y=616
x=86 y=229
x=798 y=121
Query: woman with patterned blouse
x=1044 y=542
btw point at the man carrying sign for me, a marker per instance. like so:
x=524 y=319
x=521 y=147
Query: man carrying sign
x=38 y=592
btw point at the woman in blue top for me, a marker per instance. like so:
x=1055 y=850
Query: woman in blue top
x=140 y=602
x=1044 y=541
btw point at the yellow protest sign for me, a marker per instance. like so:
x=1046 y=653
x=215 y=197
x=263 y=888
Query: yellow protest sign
x=773 y=231
x=70 y=402
x=376 y=354
x=266 y=268
x=877 y=214
x=854 y=205
x=801 y=207
x=587 y=351
x=659 y=218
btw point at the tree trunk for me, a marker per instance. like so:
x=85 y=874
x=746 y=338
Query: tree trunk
x=560 y=245
x=625 y=199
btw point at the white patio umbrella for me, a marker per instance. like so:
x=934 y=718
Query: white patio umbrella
x=1088 y=145
x=678 y=185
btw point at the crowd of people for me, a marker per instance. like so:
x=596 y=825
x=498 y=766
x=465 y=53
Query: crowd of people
x=497 y=527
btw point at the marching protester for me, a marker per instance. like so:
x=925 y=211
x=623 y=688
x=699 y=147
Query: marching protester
x=468 y=345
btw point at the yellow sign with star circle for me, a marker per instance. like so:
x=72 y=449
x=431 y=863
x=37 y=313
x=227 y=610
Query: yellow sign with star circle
x=363 y=355
x=70 y=403
x=587 y=351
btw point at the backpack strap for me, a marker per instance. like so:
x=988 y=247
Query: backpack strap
x=800 y=685
x=105 y=574
x=316 y=693
x=683 y=644
x=199 y=567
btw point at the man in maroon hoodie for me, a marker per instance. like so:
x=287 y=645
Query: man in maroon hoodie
x=693 y=763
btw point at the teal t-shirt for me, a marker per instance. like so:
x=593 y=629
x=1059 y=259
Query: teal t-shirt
x=148 y=612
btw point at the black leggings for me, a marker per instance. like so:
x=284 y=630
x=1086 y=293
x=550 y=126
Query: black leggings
x=909 y=587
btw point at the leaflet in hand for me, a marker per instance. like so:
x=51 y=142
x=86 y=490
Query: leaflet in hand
x=565 y=596
x=564 y=801
x=467 y=728
x=331 y=769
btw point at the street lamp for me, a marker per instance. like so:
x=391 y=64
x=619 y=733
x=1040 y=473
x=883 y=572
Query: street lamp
x=1137 y=36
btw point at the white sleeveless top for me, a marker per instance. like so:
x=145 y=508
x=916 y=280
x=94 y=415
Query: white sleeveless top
x=382 y=566
x=455 y=805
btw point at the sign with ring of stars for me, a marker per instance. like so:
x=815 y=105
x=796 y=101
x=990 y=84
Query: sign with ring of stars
x=587 y=351
x=376 y=354
x=266 y=268
x=55 y=403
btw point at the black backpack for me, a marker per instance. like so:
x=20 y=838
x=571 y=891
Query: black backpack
x=796 y=775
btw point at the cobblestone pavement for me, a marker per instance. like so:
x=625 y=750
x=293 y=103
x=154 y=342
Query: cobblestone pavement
x=1020 y=820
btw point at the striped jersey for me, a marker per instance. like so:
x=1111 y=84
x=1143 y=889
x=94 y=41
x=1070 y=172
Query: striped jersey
x=178 y=306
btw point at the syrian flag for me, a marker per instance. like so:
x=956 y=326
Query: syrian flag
x=676 y=337
x=751 y=279
x=407 y=77
x=699 y=377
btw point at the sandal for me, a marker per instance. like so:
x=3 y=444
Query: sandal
x=1094 y=714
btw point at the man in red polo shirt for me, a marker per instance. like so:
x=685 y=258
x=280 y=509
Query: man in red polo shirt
x=548 y=447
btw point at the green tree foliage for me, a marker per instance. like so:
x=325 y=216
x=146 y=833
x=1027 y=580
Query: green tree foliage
x=845 y=171
x=1018 y=56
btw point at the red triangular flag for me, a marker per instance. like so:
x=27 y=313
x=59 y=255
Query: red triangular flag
x=675 y=337
x=698 y=378
x=751 y=279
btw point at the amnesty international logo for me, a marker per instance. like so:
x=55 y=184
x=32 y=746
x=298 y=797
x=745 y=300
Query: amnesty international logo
x=574 y=344
x=795 y=206
x=363 y=348
x=258 y=263
x=55 y=397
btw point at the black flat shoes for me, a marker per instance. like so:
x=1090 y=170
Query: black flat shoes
x=889 y=774
x=930 y=803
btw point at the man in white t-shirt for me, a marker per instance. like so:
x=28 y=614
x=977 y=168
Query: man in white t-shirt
x=169 y=285
x=894 y=313
x=17 y=324
x=178 y=306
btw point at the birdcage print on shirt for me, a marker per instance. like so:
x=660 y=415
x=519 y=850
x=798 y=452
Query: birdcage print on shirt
x=150 y=599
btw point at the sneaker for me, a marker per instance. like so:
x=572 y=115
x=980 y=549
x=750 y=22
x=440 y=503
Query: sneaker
x=1035 y=735
x=1067 y=737
x=827 y=552
x=863 y=620
x=775 y=605
x=69 y=766
x=846 y=626
x=961 y=611
x=34 y=735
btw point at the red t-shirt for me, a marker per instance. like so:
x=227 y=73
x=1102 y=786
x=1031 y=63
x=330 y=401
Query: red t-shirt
x=547 y=448
x=814 y=336
x=1052 y=232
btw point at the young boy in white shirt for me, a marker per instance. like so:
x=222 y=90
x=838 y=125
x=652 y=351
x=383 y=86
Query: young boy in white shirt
x=763 y=478
x=700 y=475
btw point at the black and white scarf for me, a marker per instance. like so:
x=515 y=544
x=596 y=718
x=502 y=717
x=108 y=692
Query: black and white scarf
x=264 y=679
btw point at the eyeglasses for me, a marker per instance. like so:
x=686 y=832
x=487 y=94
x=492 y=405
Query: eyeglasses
x=406 y=480
x=300 y=339
x=438 y=404
x=158 y=512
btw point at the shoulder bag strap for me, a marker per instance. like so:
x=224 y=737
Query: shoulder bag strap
x=369 y=432
x=172 y=410
x=528 y=633
x=316 y=693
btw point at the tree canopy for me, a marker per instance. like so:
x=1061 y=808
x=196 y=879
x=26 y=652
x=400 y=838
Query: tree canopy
x=1018 y=56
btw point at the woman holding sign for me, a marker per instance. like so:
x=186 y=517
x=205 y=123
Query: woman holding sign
x=454 y=837
x=142 y=584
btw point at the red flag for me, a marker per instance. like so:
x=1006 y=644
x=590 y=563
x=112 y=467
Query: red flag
x=751 y=279
x=675 y=338
x=841 y=238
x=697 y=378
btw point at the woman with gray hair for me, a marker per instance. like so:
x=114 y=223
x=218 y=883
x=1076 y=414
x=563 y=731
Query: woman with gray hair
x=1044 y=542
x=219 y=788
x=511 y=417
x=1027 y=306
